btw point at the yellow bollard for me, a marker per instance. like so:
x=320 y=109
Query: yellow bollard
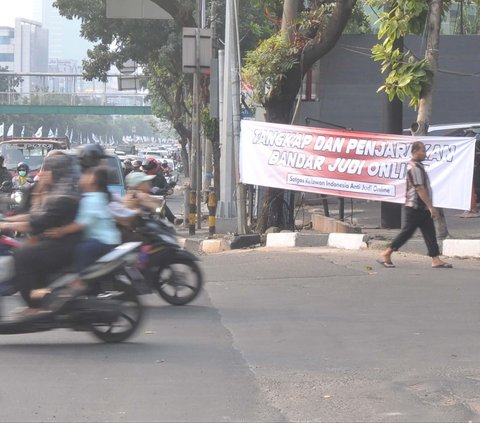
x=212 y=210
x=193 y=213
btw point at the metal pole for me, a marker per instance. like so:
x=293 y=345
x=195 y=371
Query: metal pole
x=196 y=88
x=241 y=191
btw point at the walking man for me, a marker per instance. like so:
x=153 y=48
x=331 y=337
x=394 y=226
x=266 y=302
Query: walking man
x=419 y=211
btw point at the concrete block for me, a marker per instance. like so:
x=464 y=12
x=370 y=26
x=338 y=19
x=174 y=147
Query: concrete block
x=348 y=241
x=461 y=247
x=328 y=225
x=211 y=246
x=242 y=241
x=305 y=239
x=193 y=245
x=296 y=239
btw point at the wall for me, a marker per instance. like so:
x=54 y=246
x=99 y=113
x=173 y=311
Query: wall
x=348 y=80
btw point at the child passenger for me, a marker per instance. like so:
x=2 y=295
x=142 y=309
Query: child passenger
x=95 y=221
x=100 y=233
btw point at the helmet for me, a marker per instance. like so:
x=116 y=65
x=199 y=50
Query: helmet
x=137 y=164
x=149 y=165
x=127 y=162
x=90 y=155
x=23 y=165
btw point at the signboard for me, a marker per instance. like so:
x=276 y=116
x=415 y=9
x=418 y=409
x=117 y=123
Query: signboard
x=188 y=49
x=135 y=9
x=353 y=164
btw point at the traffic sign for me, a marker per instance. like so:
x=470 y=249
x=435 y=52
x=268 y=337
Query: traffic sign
x=135 y=9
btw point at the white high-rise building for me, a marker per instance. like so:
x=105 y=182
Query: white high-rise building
x=31 y=51
x=65 y=42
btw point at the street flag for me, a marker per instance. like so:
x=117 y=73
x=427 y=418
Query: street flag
x=50 y=133
x=56 y=133
x=2 y=126
x=39 y=132
x=23 y=131
x=10 y=131
x=71 y=134
x=66 y=132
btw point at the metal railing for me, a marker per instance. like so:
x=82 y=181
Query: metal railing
x=65 y=90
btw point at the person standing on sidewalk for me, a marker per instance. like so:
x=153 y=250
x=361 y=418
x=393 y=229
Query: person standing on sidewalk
x=419 y=211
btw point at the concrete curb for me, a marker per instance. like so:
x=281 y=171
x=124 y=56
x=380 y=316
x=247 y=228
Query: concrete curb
x=461 y=248
x=296 y=239
x=466 y=248
x=348 y=241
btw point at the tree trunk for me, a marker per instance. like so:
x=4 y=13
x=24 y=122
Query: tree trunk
x=279 y=108
x=424 y=115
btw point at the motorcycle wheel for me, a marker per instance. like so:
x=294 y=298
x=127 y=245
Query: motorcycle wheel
x=179 y=283
x=130 y=316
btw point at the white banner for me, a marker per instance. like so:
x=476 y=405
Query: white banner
x=353 y=164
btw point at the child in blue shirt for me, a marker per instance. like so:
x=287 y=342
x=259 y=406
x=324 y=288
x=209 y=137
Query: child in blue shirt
x=100 y=233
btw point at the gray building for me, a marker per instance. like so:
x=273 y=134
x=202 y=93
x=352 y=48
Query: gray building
x=7 y=47
x=345 y=82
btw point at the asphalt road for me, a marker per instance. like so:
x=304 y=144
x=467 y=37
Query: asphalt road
x=297 y=335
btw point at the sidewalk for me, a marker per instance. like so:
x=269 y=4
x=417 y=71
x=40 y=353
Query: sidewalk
x=464 y=239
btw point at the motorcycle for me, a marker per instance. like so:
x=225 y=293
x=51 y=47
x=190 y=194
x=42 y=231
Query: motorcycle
x=110 y=309
x=164 y=265
x=11 y=199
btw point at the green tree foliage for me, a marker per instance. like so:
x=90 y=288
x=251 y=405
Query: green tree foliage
x=406 y=75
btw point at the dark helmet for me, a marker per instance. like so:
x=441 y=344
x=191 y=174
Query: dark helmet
x=90 y=155
x=23 y=166
x=137 y=164
x=149 y=165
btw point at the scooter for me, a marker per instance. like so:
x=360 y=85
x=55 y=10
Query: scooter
x=110 y=309
x=164 y=265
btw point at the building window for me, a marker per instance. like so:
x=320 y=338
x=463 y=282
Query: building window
x=5 y=39
x=6 y=57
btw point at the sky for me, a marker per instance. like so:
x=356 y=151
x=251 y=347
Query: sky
x=10 y=9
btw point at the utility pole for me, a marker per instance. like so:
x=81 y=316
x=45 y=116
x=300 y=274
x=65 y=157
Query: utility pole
x=462 y=24
x=227 y=210
x=241 y=190
x=195 y=159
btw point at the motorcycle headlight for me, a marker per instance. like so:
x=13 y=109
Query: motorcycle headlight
x=17 y=197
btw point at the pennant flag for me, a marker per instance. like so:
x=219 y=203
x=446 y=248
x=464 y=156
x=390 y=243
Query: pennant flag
x=50 y=133
x=39 y=132
x=10 y=131
x=56 y=133
x=71 y=135
x=66 y=132
x=2 y=129
x=23 y=131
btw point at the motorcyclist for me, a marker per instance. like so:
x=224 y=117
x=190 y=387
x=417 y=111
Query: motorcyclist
x=151 y=167
x=127 y=167
x=36 y=260
x=166 y=169
x=90 y=155
x=137 y=166
x=139 y=187
x=4 y=173
x=21 y=180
